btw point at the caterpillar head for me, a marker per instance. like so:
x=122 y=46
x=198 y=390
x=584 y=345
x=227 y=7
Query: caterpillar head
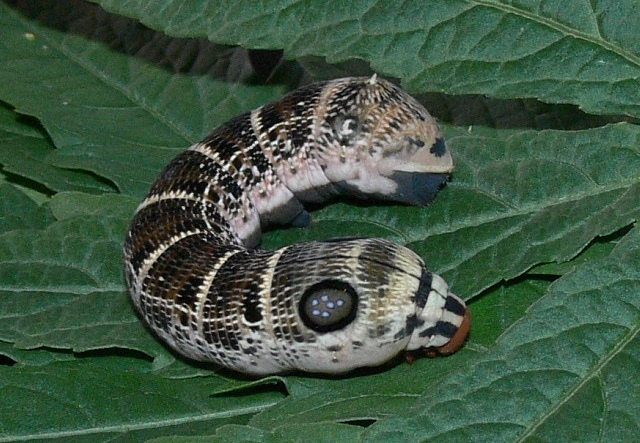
x=442 y=319
x=375 y=140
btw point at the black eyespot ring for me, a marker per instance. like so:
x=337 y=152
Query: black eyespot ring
x=328 y=306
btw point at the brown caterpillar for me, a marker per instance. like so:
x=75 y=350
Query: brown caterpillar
x=328 y=306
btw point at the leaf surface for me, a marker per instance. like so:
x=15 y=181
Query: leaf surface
x=536 y=229
x=577 y=52
x=111 y=399
x=105 y=111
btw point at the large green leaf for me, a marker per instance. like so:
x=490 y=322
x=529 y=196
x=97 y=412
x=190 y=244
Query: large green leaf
x=25 y=156
x=581 y=52
x=19 y=211
x=105 y=111
x=111 y=399
x=547 y=360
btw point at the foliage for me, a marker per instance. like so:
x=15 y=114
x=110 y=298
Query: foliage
x=536 y=230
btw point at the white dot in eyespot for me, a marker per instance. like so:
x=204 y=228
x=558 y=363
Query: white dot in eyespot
x=331 y=305
x=326 y=314
x=315 y=302
x=324 y=298
x=340 y=302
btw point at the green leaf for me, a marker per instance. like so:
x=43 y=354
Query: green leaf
x=18 y=211
x=24 y=153
x=580 y=52
x=289 y=434
x=62 y=287
x=40 y=357
x=535 y=229
x=537 y=197
x=107 y=399
x=596 y=250
x=105 y=111
x=67 y=205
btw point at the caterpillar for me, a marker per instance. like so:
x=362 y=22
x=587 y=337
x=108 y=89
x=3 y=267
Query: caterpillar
x=197 y=280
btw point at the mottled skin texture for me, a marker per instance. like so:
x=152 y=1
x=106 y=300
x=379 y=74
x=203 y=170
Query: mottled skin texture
x=323 y=306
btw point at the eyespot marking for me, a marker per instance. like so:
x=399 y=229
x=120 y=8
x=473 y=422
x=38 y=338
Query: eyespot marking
x=328 y=306
x=345 y=127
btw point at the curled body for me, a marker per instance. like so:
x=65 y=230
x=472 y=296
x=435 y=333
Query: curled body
x=330 y=306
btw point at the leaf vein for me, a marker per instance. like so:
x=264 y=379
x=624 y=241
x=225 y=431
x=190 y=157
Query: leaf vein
x=562 y=28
